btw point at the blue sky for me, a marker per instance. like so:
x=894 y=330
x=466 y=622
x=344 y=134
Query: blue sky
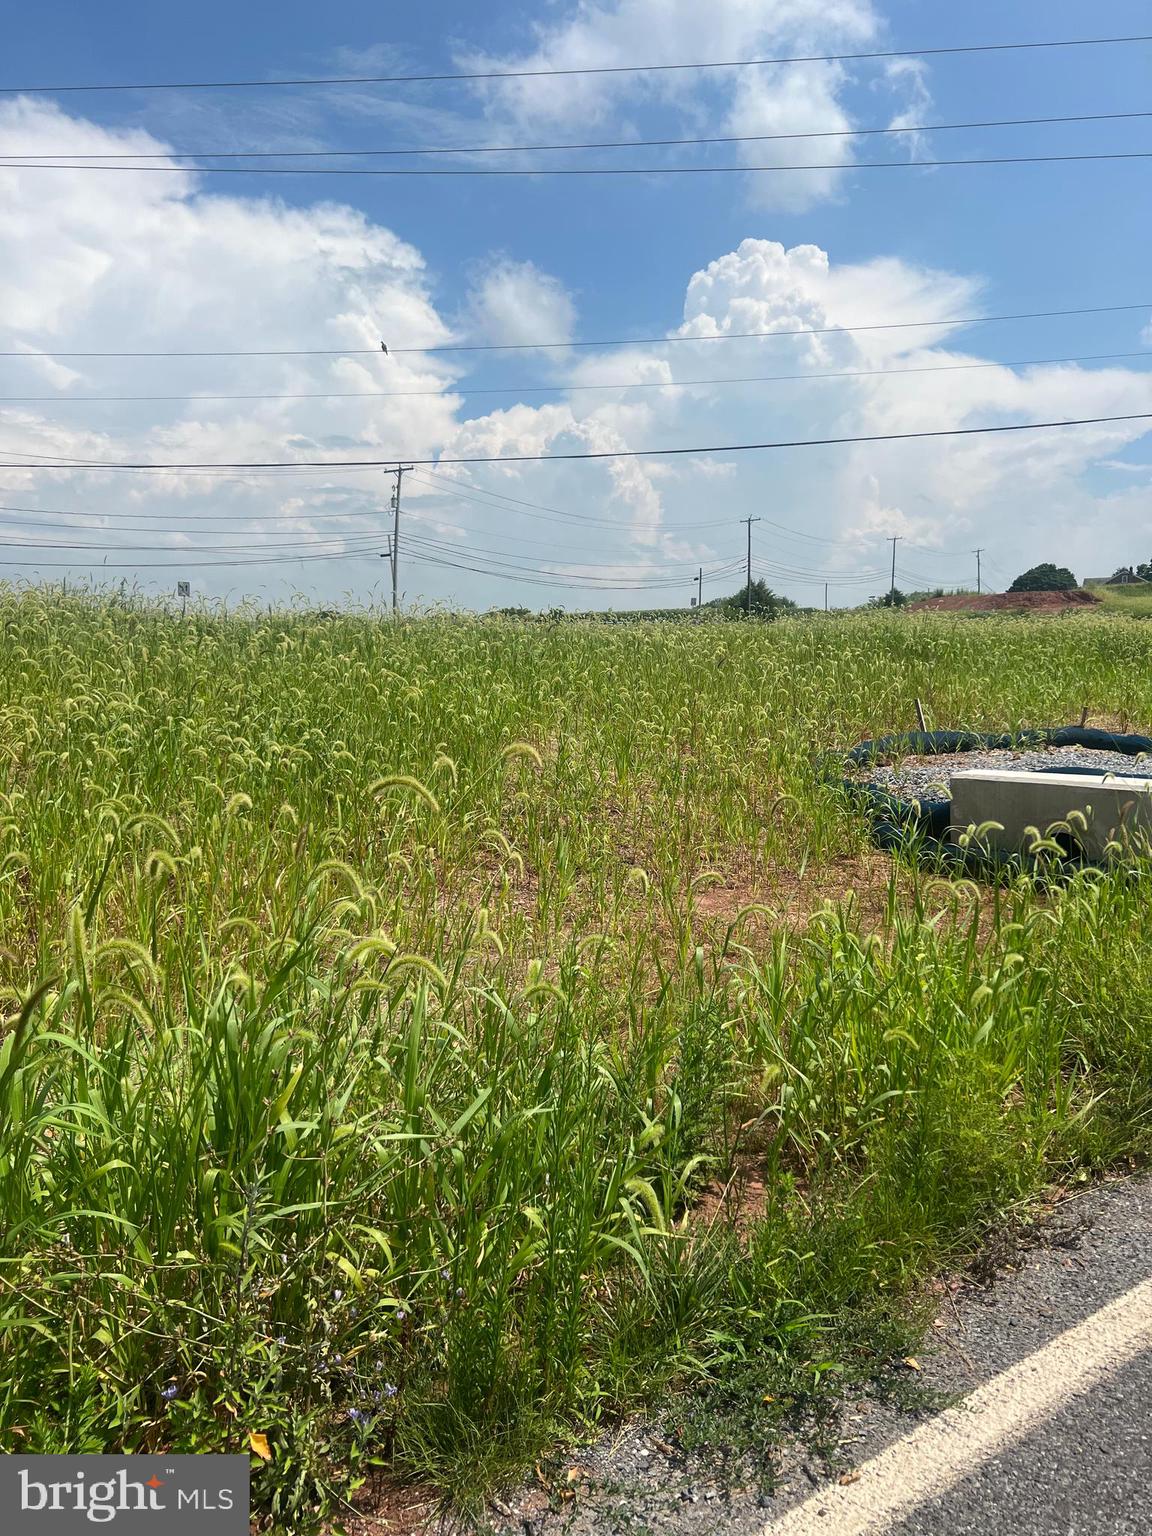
x=156 y=262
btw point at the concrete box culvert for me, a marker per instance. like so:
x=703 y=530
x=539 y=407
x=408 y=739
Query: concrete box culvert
x=1088 y=813
x=921 y=821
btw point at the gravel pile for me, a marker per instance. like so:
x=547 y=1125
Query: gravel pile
x=928 y=778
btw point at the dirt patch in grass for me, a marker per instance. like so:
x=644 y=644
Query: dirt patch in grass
x=386 y=1507
x=795 y=895
x=875 y=887
x=738 y=1201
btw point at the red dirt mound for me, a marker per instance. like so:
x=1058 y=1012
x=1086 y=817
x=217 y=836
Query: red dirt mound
x=1001 y=602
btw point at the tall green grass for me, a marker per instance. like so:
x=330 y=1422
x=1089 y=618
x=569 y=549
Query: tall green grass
x=374 y=1026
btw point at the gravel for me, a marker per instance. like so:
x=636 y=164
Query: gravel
x=928 y=778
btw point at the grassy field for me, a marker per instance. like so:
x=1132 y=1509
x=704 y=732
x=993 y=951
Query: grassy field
x=424 y=1038
x=1134 y=600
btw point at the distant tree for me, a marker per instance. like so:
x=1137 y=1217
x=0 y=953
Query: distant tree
x=1144 y=570
x=893 y=599
x=1045 y=578
x=760 y=601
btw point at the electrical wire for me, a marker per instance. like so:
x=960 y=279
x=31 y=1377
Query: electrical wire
x=659 y=575
x=109 y=522
x=551 y=389
x=537 y=510
x=525 y=149
x=29 y=516
x=181 y=564
x=58 y=462
x=319 y=546
x=111 y=519
x=361 y=543
x=194 y=562
x=504 y=558
x=87 y=522
x=796 y=573
x=569 y=170
x=815 y=578
x=601 y=69
x=619 y=341
x=559 y=581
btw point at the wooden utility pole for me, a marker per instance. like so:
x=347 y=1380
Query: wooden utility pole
x=825 y=597
x=896 y=539
x=748 y=582
x=700 y=587
x=977 y=553
x=400 y=471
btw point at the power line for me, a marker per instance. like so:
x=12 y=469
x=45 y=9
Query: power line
x=88 y=522
x=576 y=519
x=825 y=572
x=515 y=555
x=492 y=562
x=349 y=541
x=102 y=525
x=494 y=500
x=665 y=569
x=567 y=170
x=525 y=149
x=815 y=538
x=617 y=341
x=812 y=578
x=190 y=559
x=559 y=580
x=497 y=499
x=98 y=521
x=115 y=517
x=543 y=389
x=62 y=462
x=665 y=572
x=538 y=510
x=317 y=546
x=602 y=69
x=185 y=560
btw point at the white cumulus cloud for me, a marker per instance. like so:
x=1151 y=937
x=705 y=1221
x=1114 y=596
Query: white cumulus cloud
x=515 y=303
x=612 y=34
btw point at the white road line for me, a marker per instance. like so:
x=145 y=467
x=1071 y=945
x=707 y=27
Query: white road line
x=930 y=1460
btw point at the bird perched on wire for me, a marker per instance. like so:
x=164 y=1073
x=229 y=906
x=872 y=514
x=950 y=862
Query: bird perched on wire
x=384 y=349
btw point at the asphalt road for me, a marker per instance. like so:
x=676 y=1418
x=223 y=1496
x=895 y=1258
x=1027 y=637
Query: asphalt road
x=1080 y=1467
x=1087 y=1472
